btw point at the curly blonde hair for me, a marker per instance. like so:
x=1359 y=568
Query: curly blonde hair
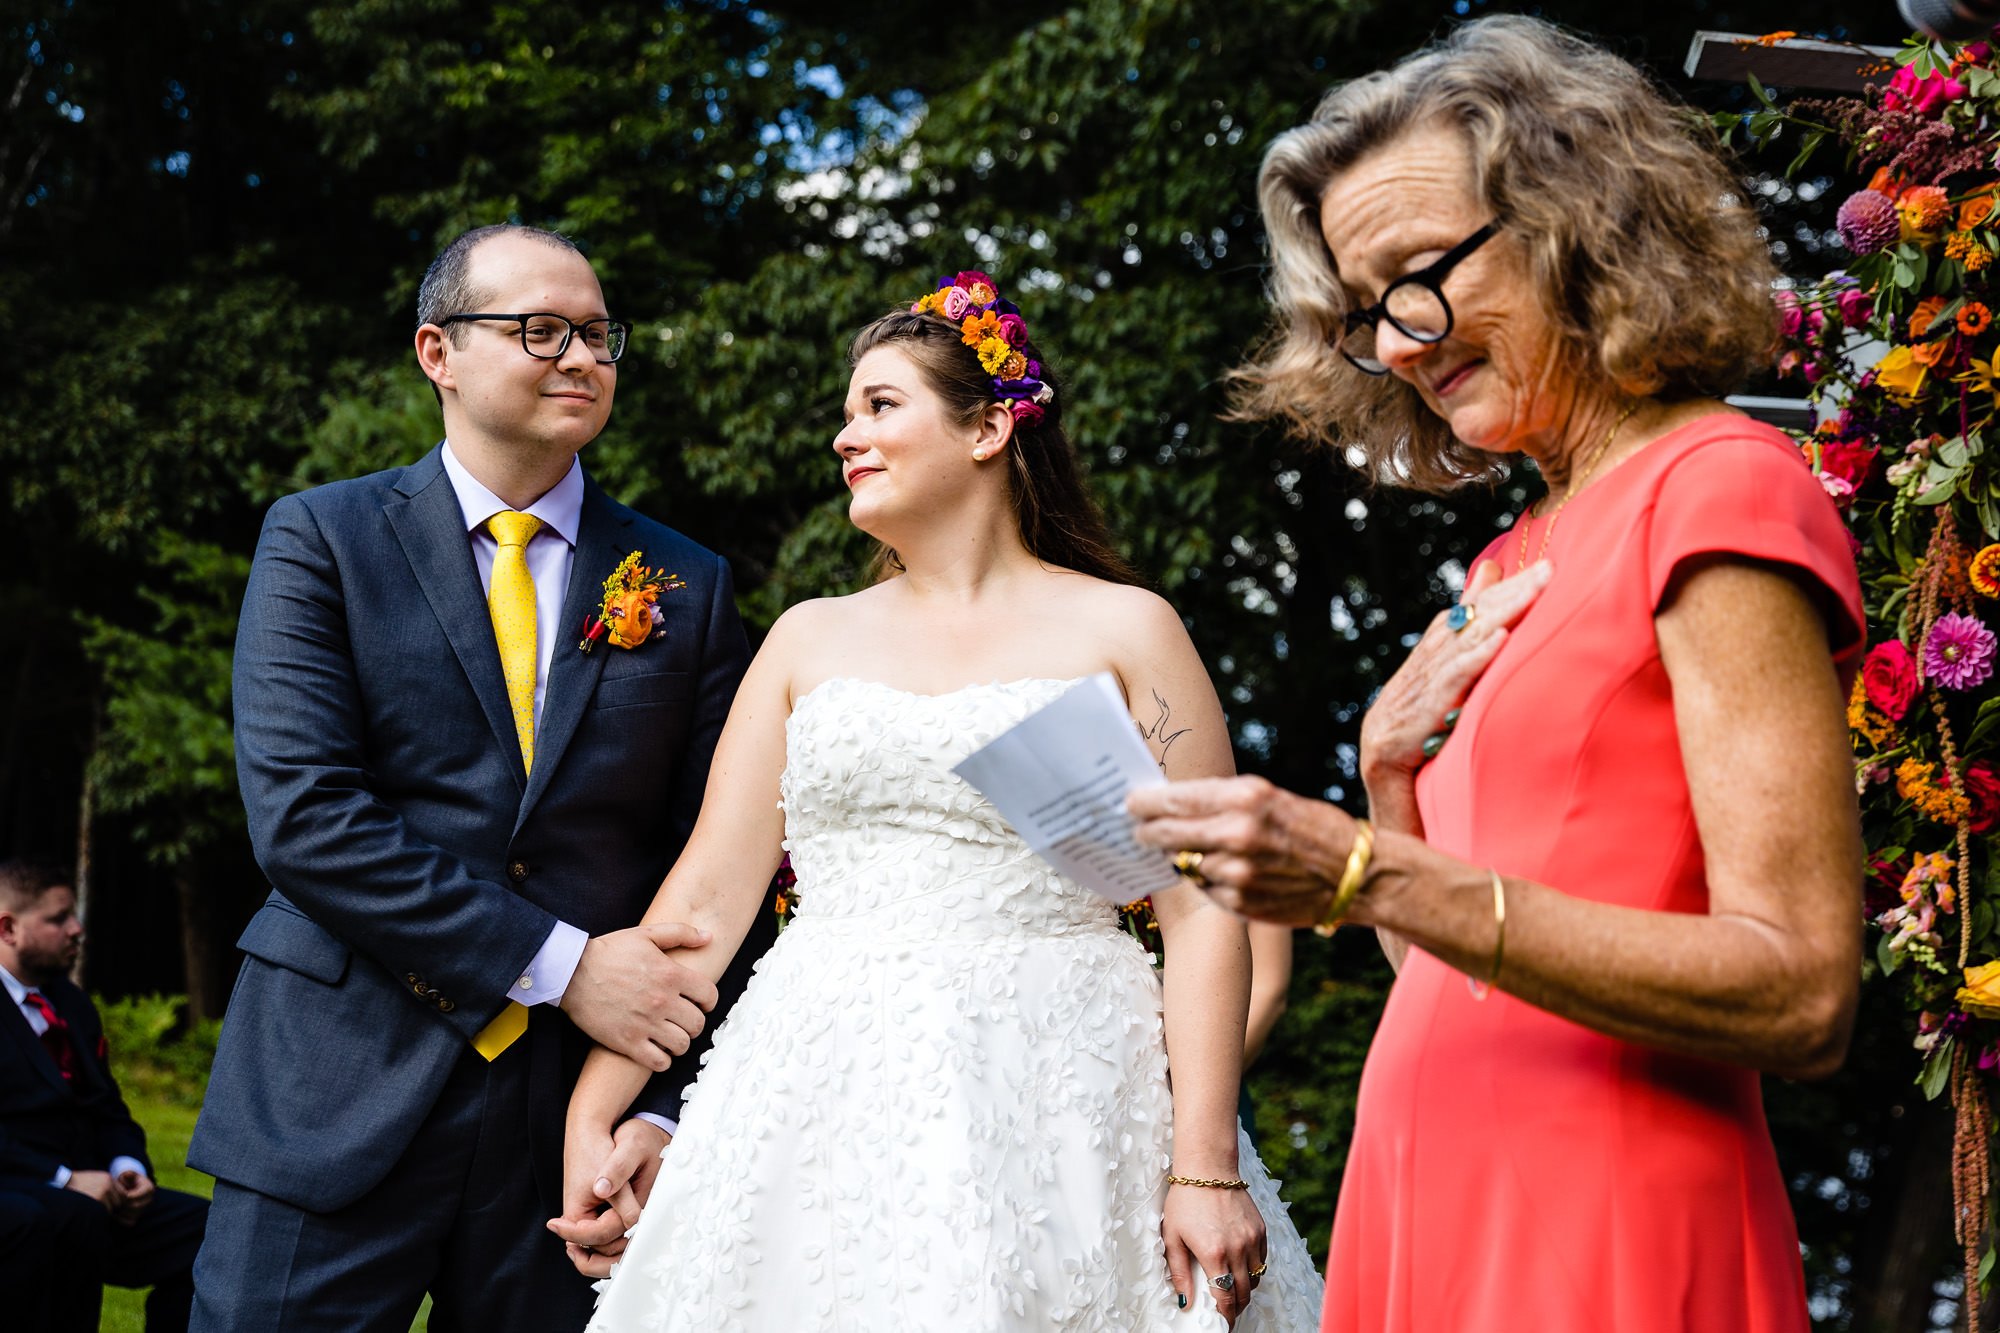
x=1645 y=254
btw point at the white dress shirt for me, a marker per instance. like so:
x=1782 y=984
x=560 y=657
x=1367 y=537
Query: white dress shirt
x=550 y=554
x=18 y=991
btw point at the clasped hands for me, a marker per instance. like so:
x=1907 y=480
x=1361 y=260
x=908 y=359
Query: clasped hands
x=125 y=1195
x=631 y=995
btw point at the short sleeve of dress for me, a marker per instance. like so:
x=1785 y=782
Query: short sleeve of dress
x=1747 y=490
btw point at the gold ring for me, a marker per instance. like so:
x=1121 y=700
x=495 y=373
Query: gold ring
x=1189 y=864
x=1258 y=1271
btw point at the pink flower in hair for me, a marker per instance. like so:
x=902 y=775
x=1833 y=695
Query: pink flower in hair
x=1014 y=329
x=982 y=289
x=1026 y=414
x=957 y=303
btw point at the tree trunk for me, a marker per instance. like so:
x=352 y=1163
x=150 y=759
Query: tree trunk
x=197 y=954
x=86 y=820
x=1919 y=1244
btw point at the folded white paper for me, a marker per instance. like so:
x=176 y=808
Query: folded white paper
x=1060 y=777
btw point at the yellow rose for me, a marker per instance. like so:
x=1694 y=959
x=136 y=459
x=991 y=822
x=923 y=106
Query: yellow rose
x=1980 y=996
x=1902 y=374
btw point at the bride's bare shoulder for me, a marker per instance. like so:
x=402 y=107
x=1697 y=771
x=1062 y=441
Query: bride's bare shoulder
x=1120 y=609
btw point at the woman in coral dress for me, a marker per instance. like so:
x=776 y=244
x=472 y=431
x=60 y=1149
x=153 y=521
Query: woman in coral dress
x=1614 y=847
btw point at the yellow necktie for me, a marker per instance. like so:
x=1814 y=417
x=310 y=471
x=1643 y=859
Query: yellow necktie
x=511 y=601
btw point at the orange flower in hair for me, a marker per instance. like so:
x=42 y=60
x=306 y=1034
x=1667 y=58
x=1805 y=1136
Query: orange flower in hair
x=980 y=327
x=1925 y=313
x=1973 y=319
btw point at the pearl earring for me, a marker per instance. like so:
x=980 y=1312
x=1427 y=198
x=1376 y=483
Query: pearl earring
x=979 y=455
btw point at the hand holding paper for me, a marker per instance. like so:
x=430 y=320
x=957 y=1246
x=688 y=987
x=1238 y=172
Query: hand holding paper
x=1060 y=777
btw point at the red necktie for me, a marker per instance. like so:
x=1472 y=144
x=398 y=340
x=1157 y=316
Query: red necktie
x=55 y=1038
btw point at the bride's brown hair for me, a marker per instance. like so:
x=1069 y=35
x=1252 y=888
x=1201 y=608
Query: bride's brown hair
x=1059 y=522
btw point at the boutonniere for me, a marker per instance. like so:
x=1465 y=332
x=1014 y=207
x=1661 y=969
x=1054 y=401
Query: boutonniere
x=630 y=612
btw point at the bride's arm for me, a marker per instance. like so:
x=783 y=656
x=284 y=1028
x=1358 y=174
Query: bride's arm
x=716 y=884
x=1207 y=973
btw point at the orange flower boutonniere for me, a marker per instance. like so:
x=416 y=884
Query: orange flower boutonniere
x=630 y=612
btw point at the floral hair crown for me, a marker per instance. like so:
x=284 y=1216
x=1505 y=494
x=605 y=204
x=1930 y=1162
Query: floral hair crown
x=994 y=329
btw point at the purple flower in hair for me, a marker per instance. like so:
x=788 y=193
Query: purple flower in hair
x=1959 y=653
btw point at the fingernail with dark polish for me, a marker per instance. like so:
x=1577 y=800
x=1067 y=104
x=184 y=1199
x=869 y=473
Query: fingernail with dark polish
x=1182 y=1300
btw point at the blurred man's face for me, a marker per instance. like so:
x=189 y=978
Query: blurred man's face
x=39 y=943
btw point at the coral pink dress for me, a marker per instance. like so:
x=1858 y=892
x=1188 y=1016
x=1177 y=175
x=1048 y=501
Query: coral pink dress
x=1512 y=1170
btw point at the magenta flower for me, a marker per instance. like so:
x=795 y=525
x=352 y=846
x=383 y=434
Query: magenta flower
x=1856 y=305
x=1959 y=653
x=1791 y=312
x=1867 y=222
x=1922 y=95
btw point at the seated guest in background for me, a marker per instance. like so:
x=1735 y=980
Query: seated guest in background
x=78 y=1206
x=1615 y=849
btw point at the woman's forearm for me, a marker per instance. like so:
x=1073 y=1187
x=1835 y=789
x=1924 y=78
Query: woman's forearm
x=605 y=1091
x=1207 y=985
x=1727 y=987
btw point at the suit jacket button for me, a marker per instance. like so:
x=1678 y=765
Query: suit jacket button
x=518 y=871
x=446 y=1006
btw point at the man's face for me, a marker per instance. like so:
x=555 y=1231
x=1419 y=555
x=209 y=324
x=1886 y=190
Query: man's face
x=494 y=386
x=44 y=937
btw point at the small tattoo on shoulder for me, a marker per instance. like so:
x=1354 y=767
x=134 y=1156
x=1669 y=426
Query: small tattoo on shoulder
x=1159 y=734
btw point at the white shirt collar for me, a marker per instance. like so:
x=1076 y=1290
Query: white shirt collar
x=17 y=990
x=560 y=510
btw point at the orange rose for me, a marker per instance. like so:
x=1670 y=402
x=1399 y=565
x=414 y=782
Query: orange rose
x=629 y=617
x=1974 y=211
x=1930 y=353
x=1922 y=317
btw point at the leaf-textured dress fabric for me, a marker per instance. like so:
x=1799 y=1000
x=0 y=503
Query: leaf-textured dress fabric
x=942 y=1101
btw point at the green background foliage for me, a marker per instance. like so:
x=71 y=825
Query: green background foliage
x=214 y=214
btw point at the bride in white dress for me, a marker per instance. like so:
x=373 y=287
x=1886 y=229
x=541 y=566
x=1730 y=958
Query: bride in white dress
x=942 y=1102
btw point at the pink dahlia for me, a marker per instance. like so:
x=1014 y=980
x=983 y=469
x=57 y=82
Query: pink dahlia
x=1868 y=222
x=1959 y=653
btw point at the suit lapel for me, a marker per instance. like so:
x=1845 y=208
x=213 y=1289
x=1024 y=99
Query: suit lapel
x=24 y=1036
x=600 y=545
x=431 y=527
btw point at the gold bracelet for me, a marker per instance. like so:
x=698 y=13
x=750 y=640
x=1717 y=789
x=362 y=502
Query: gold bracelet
x=1481 y=989
x=1349 y=887
x=1209 y=1184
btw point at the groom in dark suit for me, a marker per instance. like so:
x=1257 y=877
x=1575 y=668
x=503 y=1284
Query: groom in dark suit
x=464 y=804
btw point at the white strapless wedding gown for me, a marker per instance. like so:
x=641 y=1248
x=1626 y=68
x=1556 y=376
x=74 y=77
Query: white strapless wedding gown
x=941 y=1103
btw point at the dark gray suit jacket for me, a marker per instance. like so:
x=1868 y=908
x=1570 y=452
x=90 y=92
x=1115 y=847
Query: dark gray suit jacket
x=416 y=868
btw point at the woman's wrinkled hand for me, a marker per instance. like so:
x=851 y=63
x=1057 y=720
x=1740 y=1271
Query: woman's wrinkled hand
x=1266 y=853
x=1221 y=1231
x=1440 y=671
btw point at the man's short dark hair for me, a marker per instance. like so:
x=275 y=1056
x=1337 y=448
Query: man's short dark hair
x=447 y=288
x=23 y=883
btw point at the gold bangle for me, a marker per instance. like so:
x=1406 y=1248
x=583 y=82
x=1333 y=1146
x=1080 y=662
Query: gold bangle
x=1481 y=989
x=1209 y=1184
x=1349 y=887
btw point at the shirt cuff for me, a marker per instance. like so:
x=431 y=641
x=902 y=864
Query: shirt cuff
x=61 y=1180
x=548 y=972
x=672 y=1127
x=121 y=1164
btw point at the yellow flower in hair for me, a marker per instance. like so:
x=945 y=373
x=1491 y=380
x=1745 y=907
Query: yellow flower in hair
x=993 y=354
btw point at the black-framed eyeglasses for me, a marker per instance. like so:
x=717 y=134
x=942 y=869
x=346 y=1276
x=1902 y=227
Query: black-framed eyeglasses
x=1414 y=303
x=546 y=336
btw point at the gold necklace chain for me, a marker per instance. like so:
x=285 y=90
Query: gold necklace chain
x=1555 y=514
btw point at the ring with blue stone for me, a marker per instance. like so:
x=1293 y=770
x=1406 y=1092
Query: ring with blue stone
x=1460 y=615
